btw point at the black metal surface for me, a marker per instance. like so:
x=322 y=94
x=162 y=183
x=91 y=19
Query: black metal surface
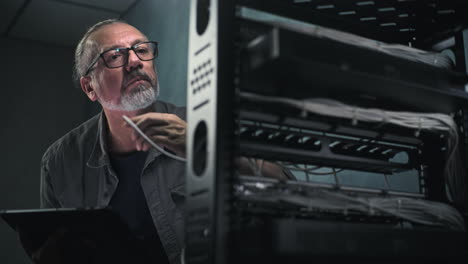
x=293 y=240
x=434 y=162
x=421 y=22
x=300 y=66
x=104 y=229
x=284 y=117
x=280 y=134
x=216 y=232
x=293 y=186
x=460 y=50
x=324 y=157
x=462 y=119
x=324 y=149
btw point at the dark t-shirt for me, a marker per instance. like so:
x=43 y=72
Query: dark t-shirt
x=130 y=202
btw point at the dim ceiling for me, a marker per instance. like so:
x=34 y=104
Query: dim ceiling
x=59 y=22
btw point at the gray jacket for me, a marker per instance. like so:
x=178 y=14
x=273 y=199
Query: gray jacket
x=76 y=173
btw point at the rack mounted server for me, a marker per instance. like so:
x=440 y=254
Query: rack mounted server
x=333 y=93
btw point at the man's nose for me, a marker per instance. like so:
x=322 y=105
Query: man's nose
x=133 y=61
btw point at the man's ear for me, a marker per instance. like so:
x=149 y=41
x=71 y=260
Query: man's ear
x=87 y=87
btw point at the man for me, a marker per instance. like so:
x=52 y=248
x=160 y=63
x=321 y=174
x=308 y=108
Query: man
x=96 y=163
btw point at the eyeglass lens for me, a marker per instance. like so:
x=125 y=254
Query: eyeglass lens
x=118 y=57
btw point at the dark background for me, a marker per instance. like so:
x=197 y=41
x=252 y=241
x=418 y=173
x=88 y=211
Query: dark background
x=38 y=101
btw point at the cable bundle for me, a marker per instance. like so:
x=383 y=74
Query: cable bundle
x=417 y=211
x=397 y=50
x=436 y=122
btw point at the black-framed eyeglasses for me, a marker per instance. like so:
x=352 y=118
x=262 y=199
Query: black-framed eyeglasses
x=118 y=57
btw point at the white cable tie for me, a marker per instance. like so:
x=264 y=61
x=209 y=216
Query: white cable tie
x=354 y=120
x=304 y=109
x=154 y=145
x=337 y=181
x=385 y=118
x=398 y=206
x=418 y=132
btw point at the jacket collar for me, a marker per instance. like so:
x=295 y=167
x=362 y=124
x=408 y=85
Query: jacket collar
x=99 y=156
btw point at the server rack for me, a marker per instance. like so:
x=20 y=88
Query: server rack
x=224 y=124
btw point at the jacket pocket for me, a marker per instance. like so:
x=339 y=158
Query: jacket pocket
x=178 y=196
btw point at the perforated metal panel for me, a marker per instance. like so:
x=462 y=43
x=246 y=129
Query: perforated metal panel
x=201 y=106
x=209 y=89
x=202 y=76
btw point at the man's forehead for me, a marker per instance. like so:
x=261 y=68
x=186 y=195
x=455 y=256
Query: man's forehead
x=117 y=35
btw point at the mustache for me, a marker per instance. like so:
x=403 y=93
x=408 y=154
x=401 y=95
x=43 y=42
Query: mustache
x=138 y=74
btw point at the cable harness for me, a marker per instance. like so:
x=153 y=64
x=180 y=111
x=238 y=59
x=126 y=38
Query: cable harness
x=454 y=174
x=311 y=199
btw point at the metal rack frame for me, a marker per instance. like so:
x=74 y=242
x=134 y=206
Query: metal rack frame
x=214 y=81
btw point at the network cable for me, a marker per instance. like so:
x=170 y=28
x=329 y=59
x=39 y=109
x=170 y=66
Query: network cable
x=151 y=142
x=453 y=172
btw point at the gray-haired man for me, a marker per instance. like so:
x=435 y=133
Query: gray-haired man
x=104 y=162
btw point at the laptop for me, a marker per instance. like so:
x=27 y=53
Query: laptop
x=93 y=235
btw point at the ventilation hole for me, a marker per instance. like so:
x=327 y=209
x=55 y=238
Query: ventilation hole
x=200 y=149
x=203 y=15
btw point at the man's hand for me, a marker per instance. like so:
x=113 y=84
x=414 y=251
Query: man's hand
x=262 y=168
x=166 y=130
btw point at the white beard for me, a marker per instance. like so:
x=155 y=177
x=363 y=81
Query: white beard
x=140 y=97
